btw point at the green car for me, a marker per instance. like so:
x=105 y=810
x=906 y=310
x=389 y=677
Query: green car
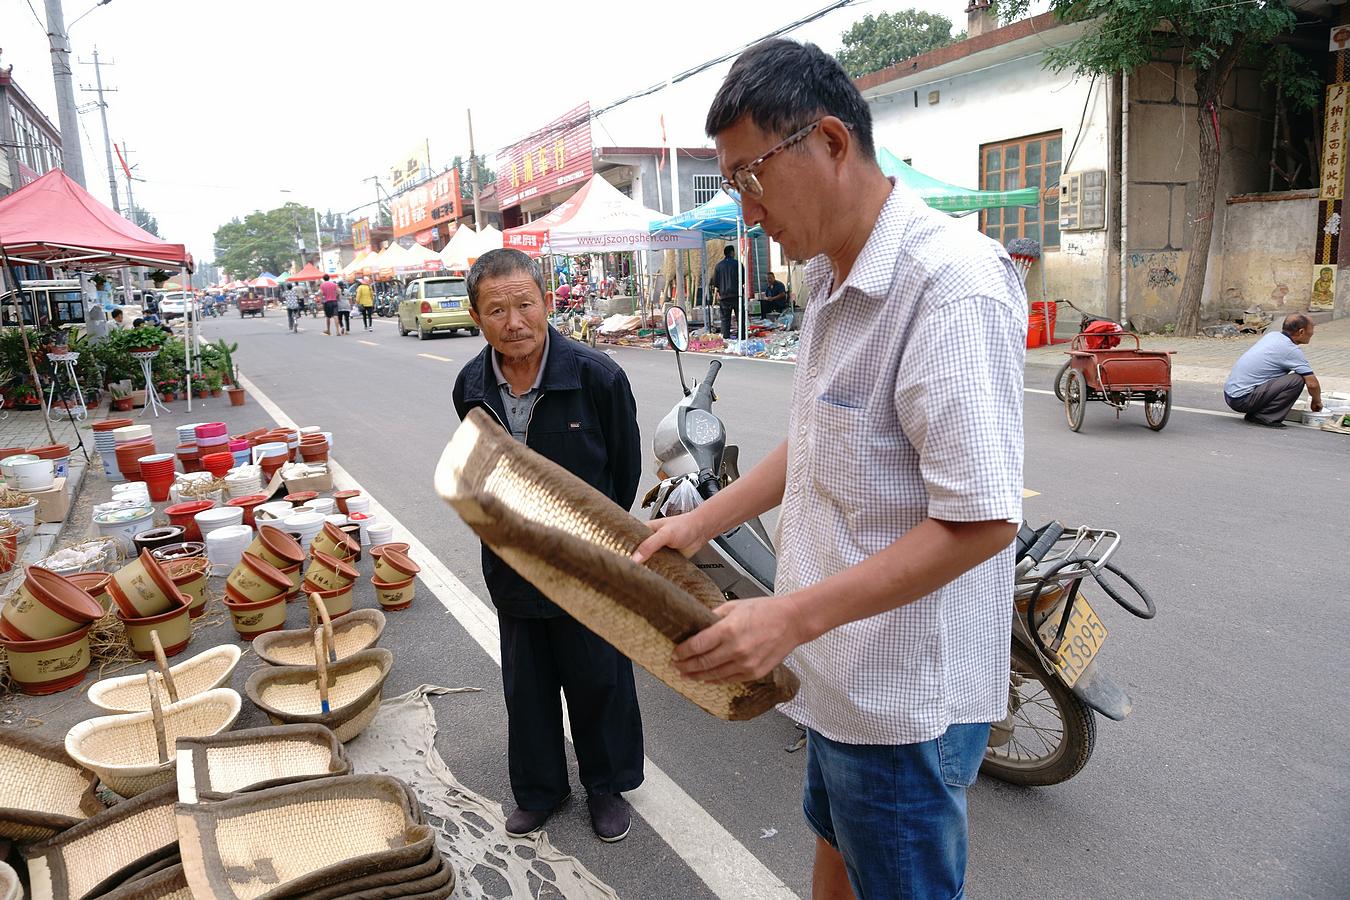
x=430 y=305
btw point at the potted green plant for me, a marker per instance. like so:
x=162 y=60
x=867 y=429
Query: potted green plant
x=25 y=396
x=121 y=398
x=159 y=277
x=168 y=390
x=199 y=386
x=213 y=382
x=143 y=339
x=220 y=356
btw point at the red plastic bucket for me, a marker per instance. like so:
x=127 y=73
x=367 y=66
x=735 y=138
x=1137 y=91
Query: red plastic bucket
x=1035 y=331
x=1049 y=311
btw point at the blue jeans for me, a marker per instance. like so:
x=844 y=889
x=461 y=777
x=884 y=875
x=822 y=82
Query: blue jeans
x=896 y=813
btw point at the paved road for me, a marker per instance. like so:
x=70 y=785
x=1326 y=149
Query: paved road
x=1230 y=779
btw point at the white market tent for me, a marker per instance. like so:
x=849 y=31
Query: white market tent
x=598 y=219
x=489 y=239
x=424 y=259
x=462 y=248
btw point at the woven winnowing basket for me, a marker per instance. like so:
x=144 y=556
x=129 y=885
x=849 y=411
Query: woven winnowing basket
x=102 y=851
x=290 y=694
x=255 y=759
x=354 y=632
x=42 y=791
x=203 y=672
x=430 y=874
x=123 y=750
x=168 y=884
x=296 y=838
x=574 y=544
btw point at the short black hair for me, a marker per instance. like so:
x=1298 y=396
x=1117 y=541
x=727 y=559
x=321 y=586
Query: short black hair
x=783 y=86
x=325 y=276
x=1295 y=322
x=728 y=251
x=117 y=313
x=499 y=263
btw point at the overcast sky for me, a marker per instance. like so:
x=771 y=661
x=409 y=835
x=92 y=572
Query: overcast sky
x=224 y=105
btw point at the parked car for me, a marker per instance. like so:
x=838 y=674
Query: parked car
x=252 y=306
x=436 y=304
x=173 y=305
x=57 y=301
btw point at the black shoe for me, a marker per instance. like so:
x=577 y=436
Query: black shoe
x=1270 y=424
x=525 y=822
x=610 y=816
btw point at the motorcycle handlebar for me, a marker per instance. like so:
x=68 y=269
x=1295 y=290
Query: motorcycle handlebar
x=703 y=393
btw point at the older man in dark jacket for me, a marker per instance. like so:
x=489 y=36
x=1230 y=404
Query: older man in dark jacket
x=574 y=406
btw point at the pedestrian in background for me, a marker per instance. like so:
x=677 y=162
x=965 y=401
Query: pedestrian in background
x=292 y=300
x=328 y=293
x=726 y=282
x=900 y=484
x=366 y=301
x=344 y=311
x=589 y=426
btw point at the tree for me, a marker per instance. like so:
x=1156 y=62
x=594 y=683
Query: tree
x=485 y=175
x=1211 y=38
x=263 y=241
x=144 y=219
x=883 y=40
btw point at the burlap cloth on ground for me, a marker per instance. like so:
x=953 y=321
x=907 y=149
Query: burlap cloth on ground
x=471 y=830
x=575 y=544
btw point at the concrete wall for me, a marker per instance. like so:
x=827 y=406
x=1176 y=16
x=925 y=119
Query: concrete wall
x=1012 y=99
x=1163 y=164
x=1267 y=253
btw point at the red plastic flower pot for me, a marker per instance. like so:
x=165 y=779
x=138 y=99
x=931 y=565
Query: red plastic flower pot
x=158 y=486
x=183 y=514
x=218 y=463
x=248 y=503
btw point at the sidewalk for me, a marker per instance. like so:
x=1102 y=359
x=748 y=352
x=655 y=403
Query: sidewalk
x=1208 y=360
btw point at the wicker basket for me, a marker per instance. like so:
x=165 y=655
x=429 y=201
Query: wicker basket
x=210 y=768
x=130 y=752
x=106 y=850
x=352 y=633
x=343 y=696
x=575 y=545
x=290 y=840
x=167 y=884
x=10 y=889
x=432 y=877
x=203 y=672
x=42 y=792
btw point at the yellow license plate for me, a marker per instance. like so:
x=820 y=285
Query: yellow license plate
x=1083 y=637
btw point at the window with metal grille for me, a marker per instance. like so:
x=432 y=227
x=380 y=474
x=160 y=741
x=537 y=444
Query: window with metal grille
x=706 y=187
x=1032 y=161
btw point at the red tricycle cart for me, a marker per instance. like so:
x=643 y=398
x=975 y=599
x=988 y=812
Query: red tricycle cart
x=1100 y=370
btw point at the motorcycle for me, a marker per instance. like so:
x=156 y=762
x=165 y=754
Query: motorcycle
x=1055 y=684
x=386 y=306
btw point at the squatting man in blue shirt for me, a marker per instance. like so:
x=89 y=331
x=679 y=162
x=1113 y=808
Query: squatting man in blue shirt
x=1270 y=376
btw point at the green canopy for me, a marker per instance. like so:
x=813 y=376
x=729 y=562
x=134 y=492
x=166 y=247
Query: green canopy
x=947 y=197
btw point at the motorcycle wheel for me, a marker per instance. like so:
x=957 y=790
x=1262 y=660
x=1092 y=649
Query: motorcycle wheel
x=1053 y=732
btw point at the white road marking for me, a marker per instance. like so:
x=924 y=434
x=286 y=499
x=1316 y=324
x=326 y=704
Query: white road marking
x=368 y=343
x=435 y=357
x=1028 y=494
x=711 y=852
x=1225 y=414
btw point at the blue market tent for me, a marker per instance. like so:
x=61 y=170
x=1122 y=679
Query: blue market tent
x=720 y=217
x=948 y=197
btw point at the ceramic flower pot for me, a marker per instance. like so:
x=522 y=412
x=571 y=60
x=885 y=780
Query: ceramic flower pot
x=47 y=606
x=392 y=567
x=155 y=538
x=248 y=504
x=255 y=580
x=395 y=596
x=296 y=574
x=253 y=619
x=334 y=542
x=341 y=497
x=45 y=667
x=183 y=514
x=276 y=547
x=300 y=498
x=95 y=584
x=142 y=588
x=338 y=603
x=328 y=573
x=190 y=576
x=174 y=627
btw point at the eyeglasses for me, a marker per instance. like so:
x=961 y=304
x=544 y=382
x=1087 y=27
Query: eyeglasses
x=744 y=178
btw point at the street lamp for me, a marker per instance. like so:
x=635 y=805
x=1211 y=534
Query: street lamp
x=87 y=12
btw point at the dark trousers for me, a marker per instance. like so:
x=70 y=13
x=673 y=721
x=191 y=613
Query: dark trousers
x=541 y=657
x=1271 y=401
x=727 y=307
x=366 y=317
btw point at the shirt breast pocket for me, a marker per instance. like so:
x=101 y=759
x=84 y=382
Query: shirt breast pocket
x=839 y=436
x=575 y=444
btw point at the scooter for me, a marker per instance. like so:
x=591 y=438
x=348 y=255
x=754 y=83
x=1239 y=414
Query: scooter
x=1055 y=684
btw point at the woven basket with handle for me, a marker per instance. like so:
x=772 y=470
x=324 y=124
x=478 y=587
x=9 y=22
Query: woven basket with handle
x=356 y=631
x=105 y=850
x=343 y=695
x=167 y=884
x=575 y=545
x=205 y=671
x=210 y=768
x=289 y=840
x=42 y=790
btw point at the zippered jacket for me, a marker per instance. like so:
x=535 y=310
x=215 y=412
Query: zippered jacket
x=585 y=420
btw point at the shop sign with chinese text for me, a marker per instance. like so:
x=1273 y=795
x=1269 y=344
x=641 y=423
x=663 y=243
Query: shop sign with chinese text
x=410 y=167
x=1334 y=141
x=428 y=204
x=551 y=158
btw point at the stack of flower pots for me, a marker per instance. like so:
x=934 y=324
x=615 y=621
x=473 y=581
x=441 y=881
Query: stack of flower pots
x=59 y=454
x=394 y=575
x=330 y=576
x=271 y=455
x=305 y=523
x=133 y=442
x=248 y=504
x=243 y=481
x=189 y=574
x=157 y=471
x=218 y=463
x=212 y=437
x=314 y=448
x=242 y=451
x=44 y=629
x=105 y=442
x=148 y=601
x=281 y=550
x=255 y=595
x=189 y=457
x=185 y=514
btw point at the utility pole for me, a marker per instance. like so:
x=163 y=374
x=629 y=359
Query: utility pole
x=376 y=180
x=473 y=177
x=71 y=159
x=103 y=111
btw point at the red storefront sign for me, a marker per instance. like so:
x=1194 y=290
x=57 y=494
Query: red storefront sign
x=551 y=158
x=426 y=205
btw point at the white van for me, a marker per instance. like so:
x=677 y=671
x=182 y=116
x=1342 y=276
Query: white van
x=58 y=301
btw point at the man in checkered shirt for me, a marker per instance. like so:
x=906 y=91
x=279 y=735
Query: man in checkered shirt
x=900 y=484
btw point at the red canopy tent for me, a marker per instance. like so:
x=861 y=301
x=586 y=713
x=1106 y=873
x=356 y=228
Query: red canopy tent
x=532 y=236
x=55 y=222
x=309 y=273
